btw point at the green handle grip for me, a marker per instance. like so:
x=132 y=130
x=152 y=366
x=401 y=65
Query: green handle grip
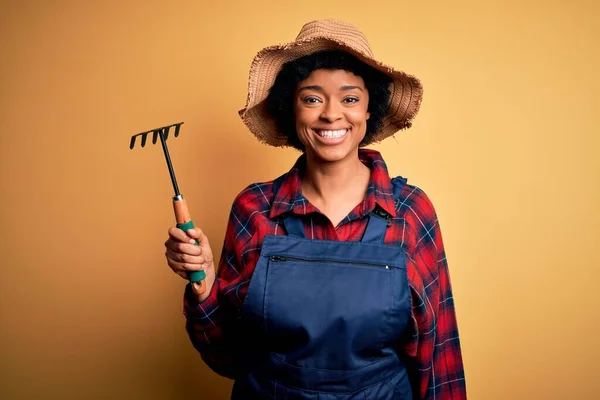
x=193 y=276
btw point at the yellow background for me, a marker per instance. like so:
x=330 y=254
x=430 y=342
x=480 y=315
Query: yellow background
x=506 y=146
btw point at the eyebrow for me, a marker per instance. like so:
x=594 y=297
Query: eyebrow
x=320 y=88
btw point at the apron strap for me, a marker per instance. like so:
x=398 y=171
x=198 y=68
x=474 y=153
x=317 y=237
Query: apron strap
x=294 y=226
x=379 y=220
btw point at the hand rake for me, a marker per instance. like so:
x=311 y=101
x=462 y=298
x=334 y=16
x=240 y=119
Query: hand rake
x=182 y=215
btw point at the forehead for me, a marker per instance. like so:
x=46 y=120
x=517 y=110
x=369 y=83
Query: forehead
x=333 y=78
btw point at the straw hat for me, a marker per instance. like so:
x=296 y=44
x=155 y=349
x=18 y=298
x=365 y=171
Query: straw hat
x=328 y=34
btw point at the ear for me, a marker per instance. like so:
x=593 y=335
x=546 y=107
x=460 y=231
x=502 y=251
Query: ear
x=368 y=115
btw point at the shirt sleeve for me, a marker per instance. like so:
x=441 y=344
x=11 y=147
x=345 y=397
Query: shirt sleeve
x=439 y=364
x=210 y=325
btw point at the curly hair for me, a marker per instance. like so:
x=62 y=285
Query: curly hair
x=280 y=102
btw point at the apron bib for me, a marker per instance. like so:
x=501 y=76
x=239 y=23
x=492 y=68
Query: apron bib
x=321 y=318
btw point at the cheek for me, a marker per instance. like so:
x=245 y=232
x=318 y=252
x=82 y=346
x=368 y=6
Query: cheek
x=302 y=120
x=359 y=116
x=305 y=117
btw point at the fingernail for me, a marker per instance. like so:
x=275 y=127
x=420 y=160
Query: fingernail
x=192 y=241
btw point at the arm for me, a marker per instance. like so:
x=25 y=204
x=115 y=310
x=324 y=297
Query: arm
x=210 y=324
x=447 y=356
x=439 y=364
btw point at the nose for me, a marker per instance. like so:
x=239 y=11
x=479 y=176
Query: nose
x=331 y=111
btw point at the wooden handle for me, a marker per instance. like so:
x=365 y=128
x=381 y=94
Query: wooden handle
x=199 y=288
x=182 y=214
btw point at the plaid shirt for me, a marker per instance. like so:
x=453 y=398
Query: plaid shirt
x=431 y=348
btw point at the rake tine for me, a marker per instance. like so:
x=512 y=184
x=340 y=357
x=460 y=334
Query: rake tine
x=144 y=137
x=156 y=133
x=177 y=127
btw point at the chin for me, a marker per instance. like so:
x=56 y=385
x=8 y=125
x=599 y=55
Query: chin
x=332 y=154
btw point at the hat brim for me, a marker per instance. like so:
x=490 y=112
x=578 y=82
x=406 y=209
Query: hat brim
x=405 y=100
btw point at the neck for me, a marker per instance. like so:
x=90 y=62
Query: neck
x=325 y=182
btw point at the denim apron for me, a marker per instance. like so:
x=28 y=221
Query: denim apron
x=324 y=319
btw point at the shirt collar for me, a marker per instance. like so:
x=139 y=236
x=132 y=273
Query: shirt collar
x=289 y=195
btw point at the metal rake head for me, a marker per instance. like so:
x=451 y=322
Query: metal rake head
x=156 y=133
x=163 y=133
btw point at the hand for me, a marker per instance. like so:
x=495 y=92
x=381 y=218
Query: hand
x=184 y=256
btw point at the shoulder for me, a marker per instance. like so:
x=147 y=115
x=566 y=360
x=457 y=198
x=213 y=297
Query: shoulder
x=257 y=195
x=411 y=199
x=416 y=209
x=252 y=205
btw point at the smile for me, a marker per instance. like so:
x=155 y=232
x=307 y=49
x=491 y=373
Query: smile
x=331 y=134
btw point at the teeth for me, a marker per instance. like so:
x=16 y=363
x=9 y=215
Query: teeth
x=332 y=134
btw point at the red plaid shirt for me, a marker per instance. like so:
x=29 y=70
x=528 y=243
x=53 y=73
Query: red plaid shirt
x=431 y=348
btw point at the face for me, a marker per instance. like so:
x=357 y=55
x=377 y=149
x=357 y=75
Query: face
x=331 y=114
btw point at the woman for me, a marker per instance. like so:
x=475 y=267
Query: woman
x=333 y=281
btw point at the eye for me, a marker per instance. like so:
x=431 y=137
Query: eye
x=311 y=100
x=351 y=100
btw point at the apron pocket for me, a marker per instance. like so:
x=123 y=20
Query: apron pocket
x=318 y=312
